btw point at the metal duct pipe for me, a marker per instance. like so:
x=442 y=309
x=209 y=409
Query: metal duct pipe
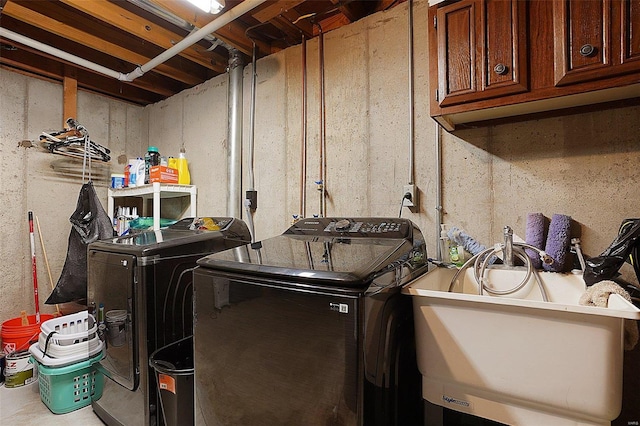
x=234 y=199
x=191 y=39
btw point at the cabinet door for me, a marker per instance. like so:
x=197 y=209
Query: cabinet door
x=595 y=39
x=482 y=50
x=630 y=28
x=582 y=36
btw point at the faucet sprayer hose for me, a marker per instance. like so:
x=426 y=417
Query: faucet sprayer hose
x=480 y=268
x=481 y=262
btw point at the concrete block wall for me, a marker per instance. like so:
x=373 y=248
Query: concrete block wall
x=575 y=164
x=47 y=184
x=582 y=165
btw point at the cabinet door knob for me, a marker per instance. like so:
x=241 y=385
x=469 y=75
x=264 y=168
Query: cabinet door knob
x=500 y=69
x=587 y=50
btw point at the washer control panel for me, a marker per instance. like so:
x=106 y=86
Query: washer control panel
x=352 y=227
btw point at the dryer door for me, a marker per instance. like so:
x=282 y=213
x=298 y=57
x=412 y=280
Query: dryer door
x=110 y=283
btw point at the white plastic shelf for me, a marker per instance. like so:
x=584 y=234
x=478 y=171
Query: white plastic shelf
x=156 y=191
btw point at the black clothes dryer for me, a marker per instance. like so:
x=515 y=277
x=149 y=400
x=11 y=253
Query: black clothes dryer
x=145 y=280
x=310 y=327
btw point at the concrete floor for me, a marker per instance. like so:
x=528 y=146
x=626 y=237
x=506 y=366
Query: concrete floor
x=22 y=406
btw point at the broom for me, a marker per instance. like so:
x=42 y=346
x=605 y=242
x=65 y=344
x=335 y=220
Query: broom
x=46 y=262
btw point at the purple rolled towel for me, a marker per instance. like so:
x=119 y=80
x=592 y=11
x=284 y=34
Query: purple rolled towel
x=558 y=239
x=535 y=237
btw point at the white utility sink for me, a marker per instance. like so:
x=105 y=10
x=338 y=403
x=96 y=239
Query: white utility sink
x=517 y=359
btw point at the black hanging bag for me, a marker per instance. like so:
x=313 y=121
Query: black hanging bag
x=89 y=223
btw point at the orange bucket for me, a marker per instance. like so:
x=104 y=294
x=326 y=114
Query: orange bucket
x=18 y=337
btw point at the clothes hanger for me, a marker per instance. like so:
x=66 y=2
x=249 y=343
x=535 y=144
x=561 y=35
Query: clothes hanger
x=74 y=142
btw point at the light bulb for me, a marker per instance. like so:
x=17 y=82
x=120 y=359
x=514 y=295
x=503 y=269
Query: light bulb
x=208 y=6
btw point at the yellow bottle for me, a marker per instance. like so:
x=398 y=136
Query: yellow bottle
x=184 y=178
x=172 y=162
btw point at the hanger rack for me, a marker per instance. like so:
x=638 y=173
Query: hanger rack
x=74 y=142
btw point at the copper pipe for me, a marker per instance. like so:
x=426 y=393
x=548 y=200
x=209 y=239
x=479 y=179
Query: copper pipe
x=303 y=164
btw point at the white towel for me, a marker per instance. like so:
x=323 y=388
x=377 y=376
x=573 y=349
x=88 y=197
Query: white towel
x=598 y=295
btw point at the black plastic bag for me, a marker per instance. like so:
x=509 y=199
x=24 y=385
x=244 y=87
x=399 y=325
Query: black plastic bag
x=89 y=223
x=626 y=247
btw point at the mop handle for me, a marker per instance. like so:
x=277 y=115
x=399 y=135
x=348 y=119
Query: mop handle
x=33 y=268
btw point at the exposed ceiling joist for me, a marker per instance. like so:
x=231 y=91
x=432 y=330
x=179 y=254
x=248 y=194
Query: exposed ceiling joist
x=121 y=35
x=145 y=30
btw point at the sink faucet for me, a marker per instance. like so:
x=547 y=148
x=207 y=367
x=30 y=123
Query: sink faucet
x=508 y=246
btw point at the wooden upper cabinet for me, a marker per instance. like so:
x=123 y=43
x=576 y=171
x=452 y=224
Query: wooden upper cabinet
x=491 y=59
x=595 y=39
x=481 y=47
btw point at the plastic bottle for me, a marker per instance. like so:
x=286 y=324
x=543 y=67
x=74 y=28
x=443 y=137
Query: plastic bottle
x=127 y=175
x=151 y=158
x=456 y=253
x=172 y=163
x=137 y=170
x=444 y=244
x=184 y=178
x=101 y=314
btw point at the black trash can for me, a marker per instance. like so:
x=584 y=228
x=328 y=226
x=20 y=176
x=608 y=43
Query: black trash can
x=173 y=365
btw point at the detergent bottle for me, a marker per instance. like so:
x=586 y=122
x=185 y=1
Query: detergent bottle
x=184 y=178
x=172 y=162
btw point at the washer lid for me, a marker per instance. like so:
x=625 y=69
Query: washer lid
x=177 y=237
x=344 y=252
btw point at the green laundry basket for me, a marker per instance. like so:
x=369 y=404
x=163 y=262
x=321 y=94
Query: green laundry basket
x=65 y=389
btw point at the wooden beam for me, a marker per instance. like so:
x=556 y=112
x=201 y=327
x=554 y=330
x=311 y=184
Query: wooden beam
x=332 y=23
x=145 y=29
x=276 y=8
x=70 y=95
x=43 y=63
x=232 y=34
x=143 y=91
x=282 y=15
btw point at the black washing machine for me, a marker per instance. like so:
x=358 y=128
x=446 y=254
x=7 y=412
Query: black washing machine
x=310 y=327
x=143 y=285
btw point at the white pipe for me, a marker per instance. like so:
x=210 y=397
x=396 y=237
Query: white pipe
x=193 y=38
x=59 y=53
x=188 y=41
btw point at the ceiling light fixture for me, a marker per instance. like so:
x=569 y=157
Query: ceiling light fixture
x=209 y=6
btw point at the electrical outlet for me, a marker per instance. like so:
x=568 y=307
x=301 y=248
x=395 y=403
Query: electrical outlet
x=412 y=201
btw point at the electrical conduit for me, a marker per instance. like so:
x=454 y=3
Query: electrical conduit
x=411 y=107
x=252 y=125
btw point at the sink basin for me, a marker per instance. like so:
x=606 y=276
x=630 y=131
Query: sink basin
x=517 y=359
